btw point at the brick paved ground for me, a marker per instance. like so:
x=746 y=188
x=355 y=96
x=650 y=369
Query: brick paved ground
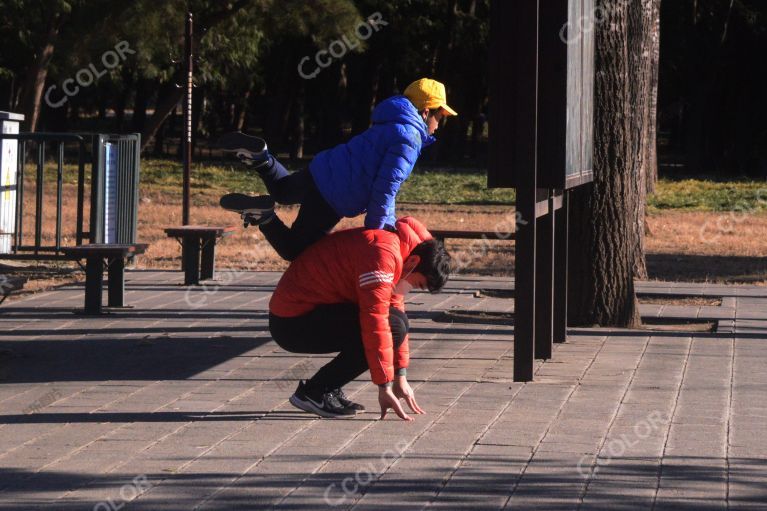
x=181 y=403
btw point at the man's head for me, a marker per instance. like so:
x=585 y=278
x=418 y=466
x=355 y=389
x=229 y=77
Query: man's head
x=427 y=267
x=430 y=99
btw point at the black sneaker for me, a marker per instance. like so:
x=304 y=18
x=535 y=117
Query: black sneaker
x=251 y=151
x=253 y=210
x=327 y=406
x=348 y=403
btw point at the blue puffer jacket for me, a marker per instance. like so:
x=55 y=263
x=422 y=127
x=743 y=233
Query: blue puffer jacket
x=365 y=173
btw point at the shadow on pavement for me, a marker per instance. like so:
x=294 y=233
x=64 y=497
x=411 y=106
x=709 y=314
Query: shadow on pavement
x=101 y=358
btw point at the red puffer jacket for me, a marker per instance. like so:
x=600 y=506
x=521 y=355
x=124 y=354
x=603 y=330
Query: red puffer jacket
x=355 y=266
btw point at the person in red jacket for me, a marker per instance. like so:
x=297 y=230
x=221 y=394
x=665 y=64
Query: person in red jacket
x=346 y=294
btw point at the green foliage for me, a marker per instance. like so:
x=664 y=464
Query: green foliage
x=711 y=99
x=22 y=28
x=322 y=21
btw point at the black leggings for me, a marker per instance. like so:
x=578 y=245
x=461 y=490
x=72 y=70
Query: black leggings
x=315 y=218
x=330 y=329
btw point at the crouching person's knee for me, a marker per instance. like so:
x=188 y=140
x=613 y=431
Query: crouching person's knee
x=399 y=324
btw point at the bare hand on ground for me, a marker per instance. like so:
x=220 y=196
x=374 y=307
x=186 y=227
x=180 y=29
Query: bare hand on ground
x=403 y=390
x=388 y=400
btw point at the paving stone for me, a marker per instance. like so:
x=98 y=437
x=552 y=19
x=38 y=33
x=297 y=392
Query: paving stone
x=193 y=402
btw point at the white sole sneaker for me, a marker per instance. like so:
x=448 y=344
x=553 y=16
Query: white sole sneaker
x=243 y=145
x=309 y=405
x=247 y=204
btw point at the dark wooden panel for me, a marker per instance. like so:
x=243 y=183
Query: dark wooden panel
x=541 y=92
x=513 y=63
x=553 y=94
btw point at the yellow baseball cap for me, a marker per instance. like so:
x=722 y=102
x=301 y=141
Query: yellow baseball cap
x=428 y=93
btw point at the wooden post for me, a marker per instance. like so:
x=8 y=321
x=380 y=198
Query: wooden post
x=560 y=270
x=517 y=123
x=541 y=90
x=524 y=285
x=544 y=281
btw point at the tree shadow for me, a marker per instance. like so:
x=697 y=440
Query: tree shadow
x=489 y=482
x=135 y=417
x=707 y=268
x=102 y=358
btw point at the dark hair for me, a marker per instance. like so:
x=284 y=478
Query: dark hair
x=434 y=263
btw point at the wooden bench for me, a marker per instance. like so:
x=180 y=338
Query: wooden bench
x=198 y=242
x=95 y=255
x=442 y=235
x=10 y=284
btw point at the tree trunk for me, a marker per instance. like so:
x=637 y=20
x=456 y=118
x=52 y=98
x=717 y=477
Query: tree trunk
x=477 y=130
x=333 y=89
x=12 y=93
x=74 y=111
x=297 y=135
x=369 y=93
x=140 y=102
x=603 y=214
x=282 y=92
x=166 y=103
x=639 y=46
x=441 y=57
x=242 y=111
x=652 y=141
x=35 y=82
x=122 y=101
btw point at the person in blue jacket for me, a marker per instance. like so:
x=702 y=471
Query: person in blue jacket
x=360 y=176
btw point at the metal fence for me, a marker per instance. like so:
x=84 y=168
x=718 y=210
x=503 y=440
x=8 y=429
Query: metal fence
x=113 y=184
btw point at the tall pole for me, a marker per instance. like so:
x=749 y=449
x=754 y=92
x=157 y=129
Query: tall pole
x=187 y=141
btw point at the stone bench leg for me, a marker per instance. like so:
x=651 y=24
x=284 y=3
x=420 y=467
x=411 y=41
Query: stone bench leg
x=208 y=259
x=116 y=294
x=190 y=260
x=94 y=281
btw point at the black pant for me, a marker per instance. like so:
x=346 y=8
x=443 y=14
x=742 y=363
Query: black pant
x=315 y=219
x=330 y=329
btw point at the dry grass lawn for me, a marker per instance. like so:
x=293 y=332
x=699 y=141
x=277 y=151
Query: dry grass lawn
x=681 y=245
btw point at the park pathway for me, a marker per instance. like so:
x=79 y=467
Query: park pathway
x=180 y=403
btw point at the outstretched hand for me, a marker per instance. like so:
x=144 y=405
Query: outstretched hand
x=403 y=390
x=388 y=400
